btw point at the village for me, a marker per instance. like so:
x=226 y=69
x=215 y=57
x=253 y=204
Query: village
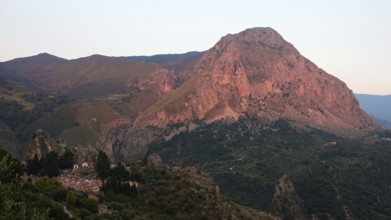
x=81 y=178
x=84 y=178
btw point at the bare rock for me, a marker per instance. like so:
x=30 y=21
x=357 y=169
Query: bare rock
x=286 y=203
x=39 y=144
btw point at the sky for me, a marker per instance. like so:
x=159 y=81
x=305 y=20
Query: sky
x=350 y=39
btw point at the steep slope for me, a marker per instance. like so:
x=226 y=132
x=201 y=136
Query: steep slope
x=257 y=72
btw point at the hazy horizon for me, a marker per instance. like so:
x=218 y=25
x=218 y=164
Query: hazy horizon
x=348 y=39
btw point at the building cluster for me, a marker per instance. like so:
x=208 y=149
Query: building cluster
x=81 y=179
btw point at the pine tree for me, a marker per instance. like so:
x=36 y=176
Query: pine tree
x=50 y=164
x=103 y=166
x=33 y=166
x=66 y=160
x=120 y=174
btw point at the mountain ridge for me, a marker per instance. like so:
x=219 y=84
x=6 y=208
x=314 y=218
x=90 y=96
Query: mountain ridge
x=377 y=106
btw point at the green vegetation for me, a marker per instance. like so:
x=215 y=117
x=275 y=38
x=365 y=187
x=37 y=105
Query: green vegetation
x=172 y=193
x=22 y=200
x=66 y=160
x=14 y=93
x=249 y=156
x=77 y=122
x=157 y=192
x=17 y=122
x=50 y=164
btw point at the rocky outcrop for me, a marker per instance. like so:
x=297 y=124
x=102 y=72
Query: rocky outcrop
x=39 y=144
x=163 y=78
x=286 y=203
x=84 y=154
x=257 y=72
x=127 y=143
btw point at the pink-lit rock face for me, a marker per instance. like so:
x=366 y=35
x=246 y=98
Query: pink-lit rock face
x=257 y=72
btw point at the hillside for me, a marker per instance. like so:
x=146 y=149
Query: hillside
x=76 y=100
x=378 y=106
x=16 y=101
x=294 y=172
x=161 y=192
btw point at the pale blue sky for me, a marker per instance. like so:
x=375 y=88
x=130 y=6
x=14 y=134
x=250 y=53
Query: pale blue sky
x=349 y=39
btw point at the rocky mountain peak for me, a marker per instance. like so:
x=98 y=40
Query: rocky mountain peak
x=257 y=72
x=264 y=36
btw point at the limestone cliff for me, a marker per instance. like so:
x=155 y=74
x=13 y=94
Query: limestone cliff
x=286 y=203
x=257 y=72
x=39 y=144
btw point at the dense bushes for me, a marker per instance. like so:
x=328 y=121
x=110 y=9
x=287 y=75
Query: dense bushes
x=248 y=157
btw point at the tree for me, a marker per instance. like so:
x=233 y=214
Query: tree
x=33 y=166
x=13 y=204
x=103 y=166
x=50 y=164
x=71 y=199
x=66 y=160
x=118 y=181
x=10 y=168
x=120 y=174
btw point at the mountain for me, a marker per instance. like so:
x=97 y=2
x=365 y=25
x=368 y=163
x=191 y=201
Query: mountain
x=274 y=131
x=254 y=73
x=257 y=72
x=28 y=70
x=76 y=99
x=378 y=106
x=178 y=62
x=92 y=76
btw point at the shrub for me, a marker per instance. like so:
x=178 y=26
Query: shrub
x=88 y=204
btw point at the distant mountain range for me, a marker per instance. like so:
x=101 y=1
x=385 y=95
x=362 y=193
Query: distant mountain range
x=378 y=106
x=178 y=62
